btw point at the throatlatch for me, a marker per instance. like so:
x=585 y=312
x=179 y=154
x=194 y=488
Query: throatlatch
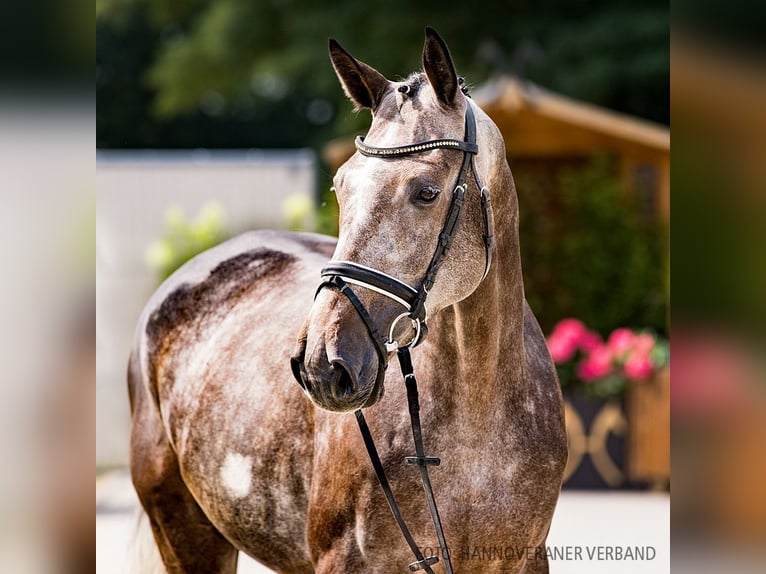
x=342 y=274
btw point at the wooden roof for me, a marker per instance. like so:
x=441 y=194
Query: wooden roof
x=535 y=122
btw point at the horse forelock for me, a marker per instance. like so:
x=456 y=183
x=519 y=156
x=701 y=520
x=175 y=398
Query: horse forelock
x=410 y=111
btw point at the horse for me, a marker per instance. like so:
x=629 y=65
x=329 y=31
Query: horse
x=229 y=454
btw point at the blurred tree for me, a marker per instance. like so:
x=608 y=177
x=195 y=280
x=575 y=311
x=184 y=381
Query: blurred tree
x=45 y=45
x=245 y=73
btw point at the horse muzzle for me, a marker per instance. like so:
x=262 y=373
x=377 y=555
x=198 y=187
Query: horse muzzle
x=335 y=380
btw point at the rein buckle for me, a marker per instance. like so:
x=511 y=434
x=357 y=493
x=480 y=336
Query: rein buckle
x=392 y=344
x=421 y=564
x=423 y=460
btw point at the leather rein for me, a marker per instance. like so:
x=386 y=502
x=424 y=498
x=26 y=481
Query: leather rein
x=343 y=274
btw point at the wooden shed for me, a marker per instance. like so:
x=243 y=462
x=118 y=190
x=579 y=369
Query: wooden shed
x=543 y=130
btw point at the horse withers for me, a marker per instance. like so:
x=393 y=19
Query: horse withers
x=227 y=453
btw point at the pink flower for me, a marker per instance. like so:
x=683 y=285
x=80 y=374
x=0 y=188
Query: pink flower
x=562 y=348
x=565 y=339
x=643 y=345
x=638 y=367
x=596 y=365
x=570 y=328
x=589 y=341
x=621 y=341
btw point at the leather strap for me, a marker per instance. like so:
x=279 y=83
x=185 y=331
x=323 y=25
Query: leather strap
x=489 y=230
x=372 y=279
x=442 y=247
x=405 y=150
x=380 y=342
x=422 y=562
x=453 y=218
x=421 y=460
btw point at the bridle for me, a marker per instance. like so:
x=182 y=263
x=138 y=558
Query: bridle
x=343 y=274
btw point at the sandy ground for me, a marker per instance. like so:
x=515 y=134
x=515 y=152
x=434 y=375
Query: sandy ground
x=589 y=530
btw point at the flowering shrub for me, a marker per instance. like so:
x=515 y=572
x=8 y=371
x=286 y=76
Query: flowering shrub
x=587 y=363
x=589 y=246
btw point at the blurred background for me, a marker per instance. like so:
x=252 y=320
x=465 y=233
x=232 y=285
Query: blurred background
x=47 y=291
x=719 y=259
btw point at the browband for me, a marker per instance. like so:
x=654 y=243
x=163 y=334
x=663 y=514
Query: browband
x=403 y=150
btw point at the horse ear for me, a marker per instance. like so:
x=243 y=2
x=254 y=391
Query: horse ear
x=439 y=68
x=363 y=84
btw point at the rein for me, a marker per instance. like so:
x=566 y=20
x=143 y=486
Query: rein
x=342 y=274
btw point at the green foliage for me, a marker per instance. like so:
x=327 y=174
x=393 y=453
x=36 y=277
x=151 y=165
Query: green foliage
x=587 y=251
x=184 y=238
x=327 y=214
x=719 y=259
x=299 y=212
x=607 y=388
x=244 y=73
x=302 y=214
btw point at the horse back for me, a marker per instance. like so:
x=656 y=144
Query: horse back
x=213 y=282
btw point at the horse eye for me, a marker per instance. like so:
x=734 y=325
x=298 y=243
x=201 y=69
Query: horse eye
x=428 y=194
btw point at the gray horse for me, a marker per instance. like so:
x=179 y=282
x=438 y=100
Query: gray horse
x=229 y=454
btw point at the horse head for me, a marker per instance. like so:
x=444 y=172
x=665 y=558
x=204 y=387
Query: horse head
x=393 y=210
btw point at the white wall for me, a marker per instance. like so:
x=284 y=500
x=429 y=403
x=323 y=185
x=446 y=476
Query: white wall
x=133 y=192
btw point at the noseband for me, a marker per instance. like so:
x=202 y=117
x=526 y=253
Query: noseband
x=342 y=274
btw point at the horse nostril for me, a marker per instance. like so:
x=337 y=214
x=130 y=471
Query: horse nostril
x=342 y=381
x=296 y=365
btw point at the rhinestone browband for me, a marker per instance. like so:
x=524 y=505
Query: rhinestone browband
x=403 y=150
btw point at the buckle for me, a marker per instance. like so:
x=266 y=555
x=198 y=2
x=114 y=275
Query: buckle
x=423 y=460
x=391 y=344
x=421 y=564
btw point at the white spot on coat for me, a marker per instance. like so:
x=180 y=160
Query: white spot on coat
x=236 y=474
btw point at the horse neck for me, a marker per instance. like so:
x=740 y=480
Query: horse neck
x=483 y=335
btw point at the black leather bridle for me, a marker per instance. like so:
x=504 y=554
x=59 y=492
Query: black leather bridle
x=343 y=274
